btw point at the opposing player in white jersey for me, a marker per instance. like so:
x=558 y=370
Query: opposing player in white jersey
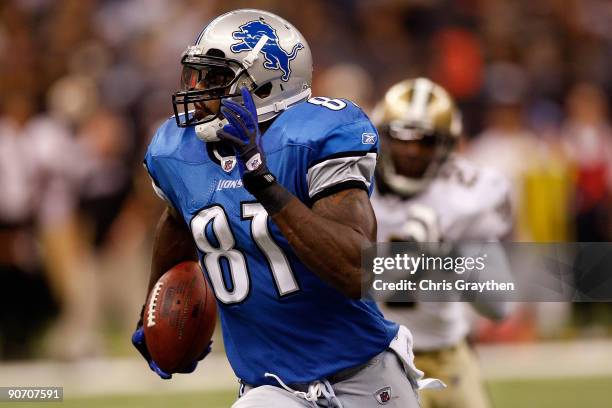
x=425 y=193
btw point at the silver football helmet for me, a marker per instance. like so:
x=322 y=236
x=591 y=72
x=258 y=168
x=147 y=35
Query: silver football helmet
x=248 y=47
x=415 y=110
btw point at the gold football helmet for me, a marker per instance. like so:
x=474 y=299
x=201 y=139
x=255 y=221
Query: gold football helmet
x=419 y=126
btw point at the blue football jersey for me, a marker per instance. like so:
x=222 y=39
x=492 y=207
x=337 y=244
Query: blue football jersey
x=277 y=316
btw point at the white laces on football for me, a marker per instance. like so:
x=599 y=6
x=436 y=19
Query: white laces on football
x=316 y=390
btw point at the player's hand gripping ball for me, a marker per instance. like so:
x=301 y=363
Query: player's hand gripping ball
x=177 y=322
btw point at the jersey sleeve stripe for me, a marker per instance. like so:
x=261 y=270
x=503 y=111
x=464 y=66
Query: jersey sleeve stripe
x=337 y=170
x=345 y=185
x=355 y=153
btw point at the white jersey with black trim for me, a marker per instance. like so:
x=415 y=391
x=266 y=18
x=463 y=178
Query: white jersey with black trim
x=464 y=202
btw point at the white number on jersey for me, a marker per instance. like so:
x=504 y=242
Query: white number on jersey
x=329 y=103
x=281 y=270
x=279 y=265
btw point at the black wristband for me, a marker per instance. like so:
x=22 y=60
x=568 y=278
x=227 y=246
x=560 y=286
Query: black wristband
x=273 y=198
x=254 y=182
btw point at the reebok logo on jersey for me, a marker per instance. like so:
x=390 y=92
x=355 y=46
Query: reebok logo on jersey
x=223 y=184
x=368 y=138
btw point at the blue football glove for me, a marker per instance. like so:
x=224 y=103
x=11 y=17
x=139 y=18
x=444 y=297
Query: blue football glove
x=244 y=135
x=138 y=340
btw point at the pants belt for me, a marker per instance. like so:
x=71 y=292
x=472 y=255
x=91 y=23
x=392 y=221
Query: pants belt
x=340 y=376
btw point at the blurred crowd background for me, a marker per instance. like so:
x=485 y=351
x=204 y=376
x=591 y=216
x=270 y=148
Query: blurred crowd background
x=84 y=83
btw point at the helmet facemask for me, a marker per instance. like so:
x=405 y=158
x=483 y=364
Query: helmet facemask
x=220 y=77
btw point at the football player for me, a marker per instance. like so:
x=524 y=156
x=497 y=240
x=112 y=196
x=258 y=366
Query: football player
x=424 y=193
x=269 y=189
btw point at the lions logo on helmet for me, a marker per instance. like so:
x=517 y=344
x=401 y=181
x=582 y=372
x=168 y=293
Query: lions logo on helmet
x=276 y=57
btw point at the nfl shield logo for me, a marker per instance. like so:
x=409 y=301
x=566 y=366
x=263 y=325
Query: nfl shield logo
x=228 y=164
x=383 y=395
x=254 y=162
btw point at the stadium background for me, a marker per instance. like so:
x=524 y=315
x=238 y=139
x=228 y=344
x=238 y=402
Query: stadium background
x=84 y=83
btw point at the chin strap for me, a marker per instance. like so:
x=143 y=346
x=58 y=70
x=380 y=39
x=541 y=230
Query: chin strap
x=207 y=132
x=285 y=103
x=254 y=53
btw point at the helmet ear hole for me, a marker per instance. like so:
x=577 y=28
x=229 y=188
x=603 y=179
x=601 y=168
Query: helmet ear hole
x=263 y=91
x=215 y=52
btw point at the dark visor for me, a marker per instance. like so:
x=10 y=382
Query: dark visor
x=206 y=77
x=203 y=78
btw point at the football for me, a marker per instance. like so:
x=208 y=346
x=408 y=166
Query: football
x=180 y=317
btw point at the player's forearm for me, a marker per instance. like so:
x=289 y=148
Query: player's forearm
x=329 y=248
x=172 y=245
